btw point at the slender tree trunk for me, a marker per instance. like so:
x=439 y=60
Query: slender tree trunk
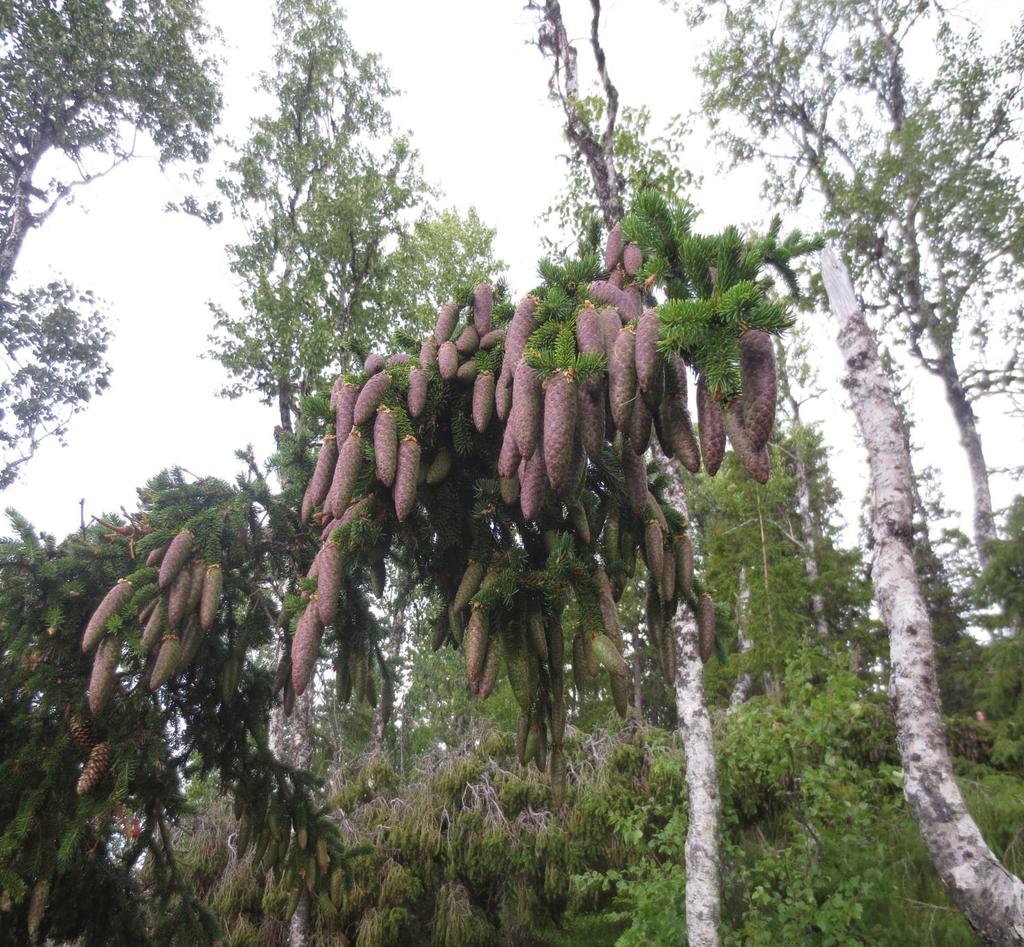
x=638 y=676
x=809 y=534
x=741 y=690
x=382 y=711
x=990 y=897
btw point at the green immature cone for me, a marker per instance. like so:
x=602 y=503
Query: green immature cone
x=710 y=427
x=649 y=362
x=323 y=473
x=406 y=476
x=346 y=472
x=756 y=462
x=491 y=339
x=344 y=409
x=195 y=587
x=483 y=400
x=634 y=471
x=618 y=676
x=178 y=599
x=622 y=390
x=448 y=361
x=532 y=481
x=759 y=379
x=428 y=353
x=191 y=639
x=609 y=613
x=305 y=646
x=103 y=677
x=467 y=371
x=654 y=549
x=521 y=666
x=328 y=582
x=385 y=445
x=468 y=341
x=654 y=613
x=520 y=329
x=112 y=602
x=613 y=248
x=483 y=305
x=492 y=665
x=213 y=582
x=509 y=489
x=560 y=406
x=178 y=553
x=476 y=645
x=419 y=382
x=95 y=769
x=447 y=318
x=439 y=467
x=167 y=660
x=526 y=409
x=370 y=398
x=469 y=585
x=37 y=906
x=706 y=627
x=538 y=635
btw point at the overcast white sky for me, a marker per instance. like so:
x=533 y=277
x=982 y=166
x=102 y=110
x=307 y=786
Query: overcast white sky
x=475 y=100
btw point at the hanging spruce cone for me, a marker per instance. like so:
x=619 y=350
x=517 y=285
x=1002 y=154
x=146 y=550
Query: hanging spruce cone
x=191 y=639
x=447 y=318
x=668 y=656
x=374 y=363
x=385 y=445
x=178 y=597
x=491 y=339
x=634 y=302
x=613 y=248
x=532 y=480
x=611 y=326
x=406 y=476
x=683 y=554
x=344 y=410
x=448 y=360
x=649 y=362
x=305 y=646
x=622 y=389
x=526 y=409
x=468 y=341
x=610 y=658
x=156 y=625
x=756 y=462
x=634 y=471
x=603 y=291
x=102 y=679
x=520 y=329
x=428 y=353
x=592 y=418
x=178 y=553
x=489 y=674
x=509 y=489
x=654 y=613
x=606 y=602
x=589 y=332
x=195 y=587
x=503 y=396
x=370 y=398
x=328 y=582
x=758 y=374
x=706 y=626
x=468 y=586
x=483 y=400
x=638 y=427
x=476 y=644
x=346 y=472
x=323 y=473
x=675 y=418
x=509 y=457
x=654 y=550
x=560 y=405
x=398 y=358
x=167 y=661
x=439 y=467
x=467 y=371
x=710 y=427
x=81 y=731
x=37 y=906
x=111 y=604
x=95 y=768
x=419 y=381
x=360 y=508
x=668 y=574
x=155 y=555
x=632 y=259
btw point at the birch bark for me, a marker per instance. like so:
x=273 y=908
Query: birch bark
x=990 y=897
x=741 y=690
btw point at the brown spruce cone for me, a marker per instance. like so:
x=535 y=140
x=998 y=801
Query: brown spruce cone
x=634 y=304
x=385 y=445
x=589 y=332
x=323 y=473
x=178 y=553
x=622 y=391
x=613 y=247
x=560 y=405
x=406 y=476
x=419 y=382
x=468 y=341
x=710 y=427
x=509 y=488
x=448 y=360
x=428 y=353
x=706 y=627
x=37 y=902
x=483 y=305
x=398 y=358
x=343 y=412
x=361 y=507
x=111 y=604
x=468 y=585
x=503 y=397
x=439 y=467
x=520 y=329
x=370 y=398
x=667 y=578
x=483 y=400
x=650 y=372
x=178 y=598
x=102 y=679
x=509 y=457
x=526 y=409
x=683 y=554
x=654 y=613
x=610 y=658
x=592 y=417
x=654 y=550
x=632 y=259
x=532 y=480
x=191 y=639
x=346 y=472
x=606 y=602
x=611 y=326
x=155 y=555
x=476 y=644
x=603 y=291
x=489 y=674
x=634 y=471
x=155 y=626
x=759 y=377
x=447 y=318
x=675 y=417
x=305 y=646
x=668 y=655
x=374 y=363
x=81 y=731
x=756 y=462
x=638 y=427
x=95 y=768
x=328 y=582
x=195 y=587
x=491 y=339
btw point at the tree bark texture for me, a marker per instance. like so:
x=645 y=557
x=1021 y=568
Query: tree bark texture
x=809 y=535
x=741 y=690
x=990 y=897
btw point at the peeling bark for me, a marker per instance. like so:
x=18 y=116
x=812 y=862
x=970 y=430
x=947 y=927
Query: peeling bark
x=741 y=690
x=990 y=897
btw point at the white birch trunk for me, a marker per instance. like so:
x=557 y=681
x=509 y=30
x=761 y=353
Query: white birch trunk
x=703 y=853
x=741 y=690
x=803 y=500
x=990 y=897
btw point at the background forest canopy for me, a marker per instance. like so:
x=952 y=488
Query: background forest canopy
x=500 y=644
